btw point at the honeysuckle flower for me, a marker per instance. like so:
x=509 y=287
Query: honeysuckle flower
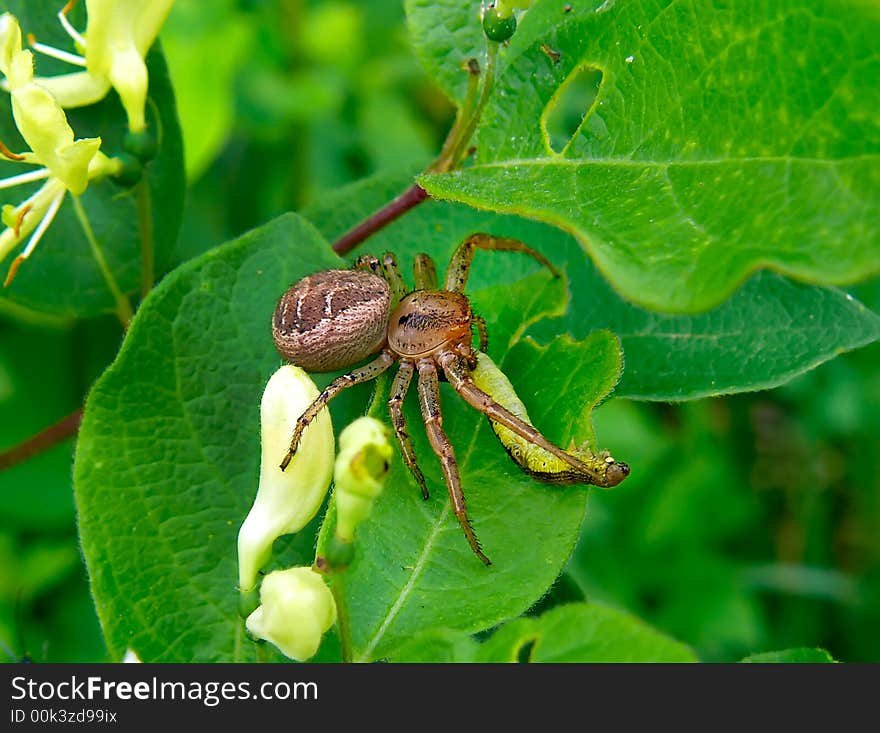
x=286 y=500
x=296 y=609
x=118 y=35
x=64 y=164
x=359 y=474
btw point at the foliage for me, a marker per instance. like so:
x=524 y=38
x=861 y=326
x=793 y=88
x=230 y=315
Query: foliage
x=716 y=229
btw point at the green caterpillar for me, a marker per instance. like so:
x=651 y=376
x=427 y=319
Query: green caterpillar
x=535 y=461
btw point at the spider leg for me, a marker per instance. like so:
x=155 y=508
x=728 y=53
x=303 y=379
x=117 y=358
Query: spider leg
x=399 y=387
x=425 y=272
x=388 y=270
x=369 y=264
x=365 y=373
x=459 y=377
x=395 y=279
x=481 y=329
x=429 y=399
x=460 y=264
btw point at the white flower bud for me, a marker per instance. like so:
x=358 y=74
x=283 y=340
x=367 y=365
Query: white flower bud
x=296 y=608
x=286 y=500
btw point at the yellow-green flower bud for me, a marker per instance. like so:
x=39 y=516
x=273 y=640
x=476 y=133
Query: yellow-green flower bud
x=286 y=500
x=296 y=608
x=505 y=8
x=361 y=468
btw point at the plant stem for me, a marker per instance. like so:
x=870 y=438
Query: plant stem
x=470 y=128
x=123 y=305
x=445 y=160
x=413 y=196
x=262 y=656
x=45 y=439
x=145 y=228
x=343 y=623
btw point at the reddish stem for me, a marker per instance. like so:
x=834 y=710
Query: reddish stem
x=45 y=439
x=413 y=196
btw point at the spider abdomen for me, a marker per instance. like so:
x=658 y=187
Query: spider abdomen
x=428 y=320
x=332 y=319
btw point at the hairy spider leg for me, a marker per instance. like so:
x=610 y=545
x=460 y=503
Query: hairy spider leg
x=365 y=373
x=459 y=377
x=425 y=272
x=392 y=275
x=460 y=264
x=399 y=387
x=429 y=399
x=369 y=263
x=480 y=323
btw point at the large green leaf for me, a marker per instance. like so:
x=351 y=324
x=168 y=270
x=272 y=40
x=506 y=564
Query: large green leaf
x=168 y=455
x=62 y=276
x=769 y=331
x=585 y=633
x=694 y=165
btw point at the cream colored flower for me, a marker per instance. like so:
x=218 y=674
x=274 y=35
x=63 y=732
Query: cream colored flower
x=64 y=163
x=118 y=35
x=286 y=500
x=296 y=608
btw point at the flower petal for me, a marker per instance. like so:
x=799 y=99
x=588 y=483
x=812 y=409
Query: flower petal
x=150 y=18
x=10 y=41
x=128 y=75
x=43 y=125
x=73 y=161
x=79 y=89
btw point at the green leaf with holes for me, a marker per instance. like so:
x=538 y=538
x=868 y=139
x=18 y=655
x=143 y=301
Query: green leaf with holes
x=769 y=331
x=168 y=456
x=577 y=632
x=583 y=632
x=63 y=275
x=710 y=139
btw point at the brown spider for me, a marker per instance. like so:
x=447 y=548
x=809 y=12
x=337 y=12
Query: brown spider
x=333 y=319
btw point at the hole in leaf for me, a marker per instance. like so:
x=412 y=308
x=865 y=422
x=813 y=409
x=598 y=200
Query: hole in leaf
x=570 y=107
x=524 y=654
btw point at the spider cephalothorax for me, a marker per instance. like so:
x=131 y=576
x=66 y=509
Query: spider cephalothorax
x=334 y=319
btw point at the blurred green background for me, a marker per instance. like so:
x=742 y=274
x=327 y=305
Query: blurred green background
x=752 y=522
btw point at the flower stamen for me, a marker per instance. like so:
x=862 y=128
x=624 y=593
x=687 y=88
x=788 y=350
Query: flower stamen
x=36 y=236
x=21 y=178
x=56 y=53
x=25 y=210
x=7 y=153
x=68 y=28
